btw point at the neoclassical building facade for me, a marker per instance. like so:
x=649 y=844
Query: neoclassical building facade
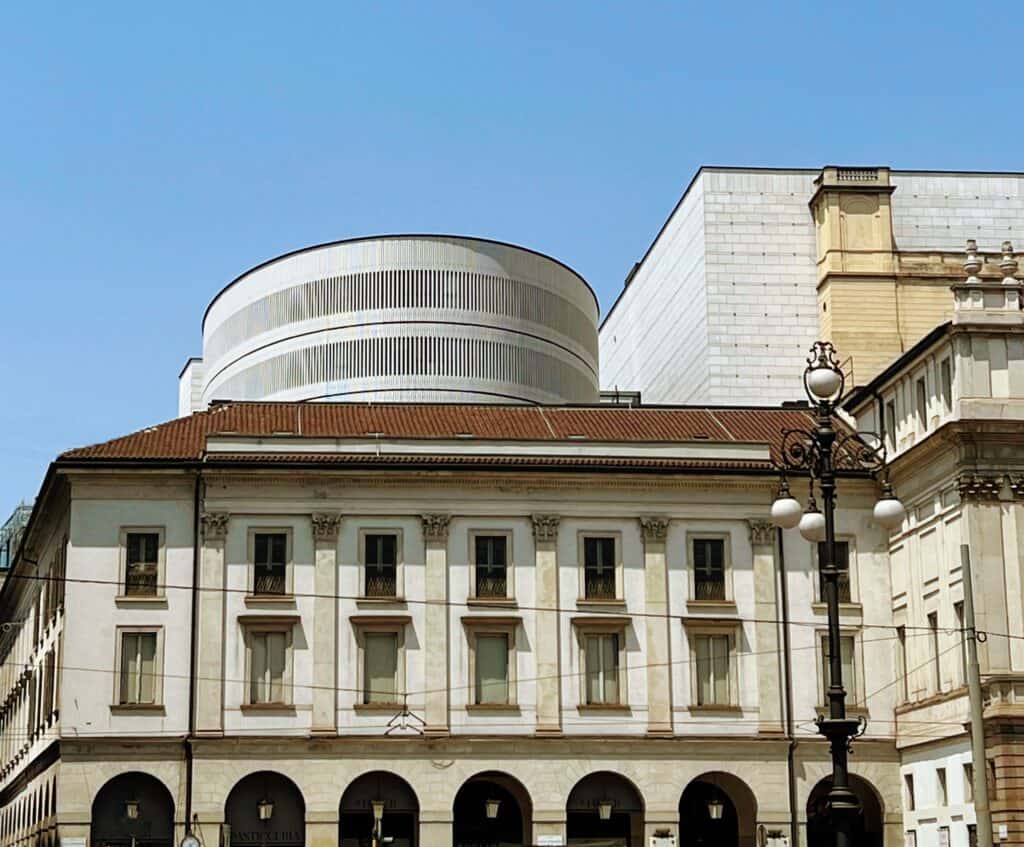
x=320 y=624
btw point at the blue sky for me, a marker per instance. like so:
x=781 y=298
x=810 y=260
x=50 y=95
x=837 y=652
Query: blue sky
x=151 y=152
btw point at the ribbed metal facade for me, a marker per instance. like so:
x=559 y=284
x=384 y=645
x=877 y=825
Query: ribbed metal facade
x=404 y=318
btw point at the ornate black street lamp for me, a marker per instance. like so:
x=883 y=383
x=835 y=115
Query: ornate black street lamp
x=818 y=451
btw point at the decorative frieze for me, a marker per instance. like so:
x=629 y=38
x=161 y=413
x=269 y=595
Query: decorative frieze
x=545 y=527
x=1016 y=483
x=979 y=486
x=326 y=526
x=654 y=529
x=761 y=531
x=435 y=527
x=215 y=525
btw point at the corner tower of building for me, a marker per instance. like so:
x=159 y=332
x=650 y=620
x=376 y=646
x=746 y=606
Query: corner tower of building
x=419 y=318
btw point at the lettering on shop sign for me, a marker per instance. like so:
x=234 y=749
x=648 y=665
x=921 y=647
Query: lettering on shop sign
x=260 y=836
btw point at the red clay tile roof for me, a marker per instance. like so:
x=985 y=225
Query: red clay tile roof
x=184 y=439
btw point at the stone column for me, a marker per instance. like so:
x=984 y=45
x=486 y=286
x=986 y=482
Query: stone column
x=659 y=671
x=325 y=623
x=435 y=828
x=210 y=624
x=766 y=613
x=547 y=640
x=435 y=642
x=321 y=828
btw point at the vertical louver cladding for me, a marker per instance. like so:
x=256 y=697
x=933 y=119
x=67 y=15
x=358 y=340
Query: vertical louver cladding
x=404 y=317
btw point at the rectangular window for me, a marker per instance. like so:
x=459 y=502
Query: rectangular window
x=846 y=650
x=941 y=789
x=709 y=568
x=141 y=563
x=602 y=668
x=492 y=668
x=910 y=838
x=908 y=791
x=958 y=611
x=269 y=567
x=381 y=559
x=380 y=667
x=491 y=565
x=972 y=835
x=943 y=836
x=599 y=568
x=968 y=782
x=921 y=391
x=946 y=377
x=269 y=655
x=933 y=649
x=712 y=670
x=138 y=668
x=842 y=565
x=890 y=422
x=901 y=663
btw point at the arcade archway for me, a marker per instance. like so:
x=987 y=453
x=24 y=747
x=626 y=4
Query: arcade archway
x=717 y=809
x=492 y=809
x=132 y=810
x=604 y=809
x=266 y=808
x=376 y=808
x=868 y=824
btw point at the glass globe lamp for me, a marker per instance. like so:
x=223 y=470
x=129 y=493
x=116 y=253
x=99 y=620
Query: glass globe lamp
x=889 y=512
x=812 y=524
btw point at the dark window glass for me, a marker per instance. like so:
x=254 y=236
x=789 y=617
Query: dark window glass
x=491 y=566
x=599 y=568
x=269 y=567
x=381 y=565
x=141 y=570
x=709 y=568
x=842 y=565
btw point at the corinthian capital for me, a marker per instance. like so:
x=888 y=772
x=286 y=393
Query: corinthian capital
x=654 y=529
x=215 y=525
x=761 y=531
x=326 y=526
x=435 y=527
x=545 y=527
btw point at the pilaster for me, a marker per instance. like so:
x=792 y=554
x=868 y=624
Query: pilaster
x=435 y=537
x=659 y=671
x=766 y=612
x=210 y=625
x=547 y=646
x=325 y=623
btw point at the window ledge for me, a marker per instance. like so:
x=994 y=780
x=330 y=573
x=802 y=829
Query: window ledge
x=378 y=707
x=716 y=709
x=851 y=609
x=376 y=602
x=493 y=602
x=723 y=606
x=271 y=708
x=153 y=600
x=273 y=600
x=599 y=708
x=593 y=603
x=138 y=709
x=500 y=708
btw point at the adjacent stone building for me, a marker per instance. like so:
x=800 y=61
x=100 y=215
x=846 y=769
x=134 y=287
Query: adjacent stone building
x=504 y=625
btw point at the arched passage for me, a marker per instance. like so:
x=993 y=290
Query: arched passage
x=492 y=809
x=867 y=826
x=717 y=809
x=266 y=808
x=132 y=809
x=379 y=806
x=605 y=807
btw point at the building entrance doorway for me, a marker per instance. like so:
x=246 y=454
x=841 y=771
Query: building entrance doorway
x=379 y=809
x=265 y=808
x=867 y=826
x=717 y=809
x=604 y=809
x=132 y=810
x=492 y=810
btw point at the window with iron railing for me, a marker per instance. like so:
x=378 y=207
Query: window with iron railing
x=709 y=568
x=381 y=565
x=599 y=568
x=141 y=563
x=491 y=566
x=270 y=565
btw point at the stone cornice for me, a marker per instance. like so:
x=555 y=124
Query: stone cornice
x=215 y=525
x=545 y=527
x=979 y=487
x=654 y=529
x=326 y=526
x=435 y=527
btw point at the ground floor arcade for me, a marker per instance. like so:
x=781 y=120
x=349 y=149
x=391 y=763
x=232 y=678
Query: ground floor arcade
x=456 y=793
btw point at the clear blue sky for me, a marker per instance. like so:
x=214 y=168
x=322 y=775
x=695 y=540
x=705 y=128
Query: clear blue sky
x=151 y=152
